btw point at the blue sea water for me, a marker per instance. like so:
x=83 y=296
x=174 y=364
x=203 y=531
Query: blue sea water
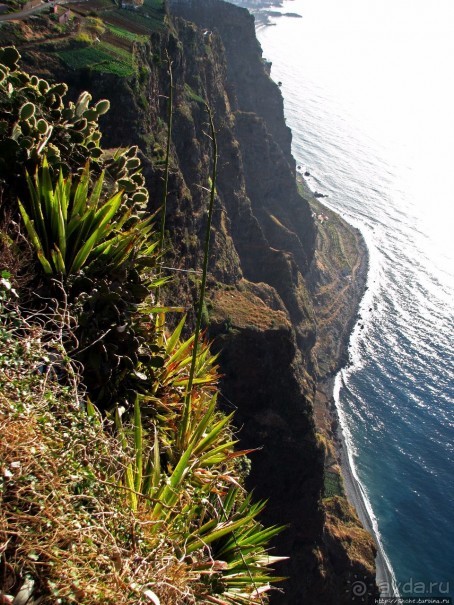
x=369 y=96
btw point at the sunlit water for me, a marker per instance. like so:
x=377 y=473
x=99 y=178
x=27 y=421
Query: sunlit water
x=368 y=92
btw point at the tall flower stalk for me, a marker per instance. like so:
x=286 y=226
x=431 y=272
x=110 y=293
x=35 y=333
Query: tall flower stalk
x=167 y=161
x=188 y=398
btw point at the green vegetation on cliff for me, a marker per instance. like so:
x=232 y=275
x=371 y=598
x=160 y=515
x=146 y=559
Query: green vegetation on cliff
x=120 y=482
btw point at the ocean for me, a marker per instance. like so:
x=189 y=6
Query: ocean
x=369 y=96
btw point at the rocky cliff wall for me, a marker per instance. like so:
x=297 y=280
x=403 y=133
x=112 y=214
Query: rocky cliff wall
x=247 y=71
x=271 y=368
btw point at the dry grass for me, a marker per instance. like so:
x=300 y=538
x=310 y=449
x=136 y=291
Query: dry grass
x=343 y=524
x=244 y=309
x=64 y=521
x=16 y=253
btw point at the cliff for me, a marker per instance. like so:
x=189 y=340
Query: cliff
x=275 y=373
x=266 y=273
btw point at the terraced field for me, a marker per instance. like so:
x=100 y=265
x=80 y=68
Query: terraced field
x=103 y=57
x=112 y=50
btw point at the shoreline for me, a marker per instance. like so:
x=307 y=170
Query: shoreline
x=332 y=414
x=384 y=576
x=354 y=490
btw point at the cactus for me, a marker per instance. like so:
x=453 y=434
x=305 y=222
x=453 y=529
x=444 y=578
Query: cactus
x=90 y=115
x=131 y=152
x=127 y=185
x=42 y=126
x=9 y=57
x=53 y=153
x=26 y=142
x=138 y=179
x=120 y=163
x=3 y=73
x=102 y=107
x=67 y=113
x=59 y=89
x=82 y=103
x=96 y=153
x=27 y=111
x=133 y=163
x=43 y=86
x=44 y=123
x=140 y=198
x=81 y=125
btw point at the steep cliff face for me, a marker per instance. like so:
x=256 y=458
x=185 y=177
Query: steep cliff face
x=245 y=64
x=263 y=267
x=269 y=367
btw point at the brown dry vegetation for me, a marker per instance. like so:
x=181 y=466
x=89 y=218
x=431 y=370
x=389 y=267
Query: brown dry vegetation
x=244 y=309
x=64 y=520
x=343 y=524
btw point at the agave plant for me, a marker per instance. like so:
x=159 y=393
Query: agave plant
x=200 y=506
x=105 y=255
x=191 y=491
x=165 y=402
x=238 y=543
x=72 y=226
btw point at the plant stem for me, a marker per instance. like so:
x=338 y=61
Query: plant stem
x=167 y=164
x=188 y=398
